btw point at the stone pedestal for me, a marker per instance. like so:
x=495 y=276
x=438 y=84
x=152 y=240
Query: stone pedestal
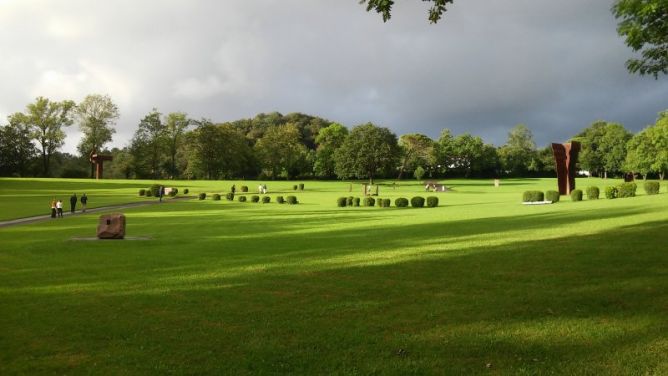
x=111 y=226
x=565 y=158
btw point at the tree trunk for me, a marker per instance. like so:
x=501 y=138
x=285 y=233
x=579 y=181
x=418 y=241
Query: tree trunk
x=661 y=175
x=45 y=163
x=605 y=174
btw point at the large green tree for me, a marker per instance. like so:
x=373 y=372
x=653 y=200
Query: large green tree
x=16 y=149
x=96 y=116
x=384 y=7
x=613 y=147
x=644 y=24
x=216 y=151
x=367 y=151
x=46 y=120
x=176 y=124
x=416 y=150
x=659 y=139
x=470 y=156
x=328 y=141
x=148 y=146
x=519 y=154
x=280 y=150
x=640 y=153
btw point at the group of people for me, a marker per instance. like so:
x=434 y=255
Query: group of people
x=57 y=205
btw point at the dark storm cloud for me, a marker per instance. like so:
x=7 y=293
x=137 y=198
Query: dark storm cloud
x=490 y=64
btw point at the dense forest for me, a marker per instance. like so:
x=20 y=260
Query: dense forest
x=277 y=146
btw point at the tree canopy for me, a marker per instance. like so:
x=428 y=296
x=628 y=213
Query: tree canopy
x=644 y=25
x=384 y=7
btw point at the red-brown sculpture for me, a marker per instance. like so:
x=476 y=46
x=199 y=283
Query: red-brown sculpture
x=98 y=161
x=565 y=157
x=111 y=226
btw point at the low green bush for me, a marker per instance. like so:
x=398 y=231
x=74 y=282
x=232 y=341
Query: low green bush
x=244 y=188
x=610 y=192
x=533 y=196
x=255 y=198
x=627 y=190
x=301 y=186
x=142 y=192
x=417 y=202
x=349 y=201
x=552 y=196
x=652 y=187
x=242 y=198
x=202 y=196
x=356 y=201
x=379 y=202
x=280 y=199
x=576 y=195
x=266 y=199
x=593 y=193
x=292 y=200
x=148 y=193
x=294 y=187
x=387 y=202
x=342 y=202
x=155 y=190
x=369 y=201
x=215 y=197
x=401 y=202
x=432 y=201
x=186 y=191
x=173 y=192
x=229 y=196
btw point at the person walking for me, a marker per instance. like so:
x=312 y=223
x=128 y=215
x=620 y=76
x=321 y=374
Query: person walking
x=84 y=200
x=73 y=203
x=234 y=188
x=161 y=192
x=53 y=208
x=59 y=208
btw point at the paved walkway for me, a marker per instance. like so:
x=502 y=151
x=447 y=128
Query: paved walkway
x=41 y=218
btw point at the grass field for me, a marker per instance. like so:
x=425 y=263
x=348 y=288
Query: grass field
x=479 y=285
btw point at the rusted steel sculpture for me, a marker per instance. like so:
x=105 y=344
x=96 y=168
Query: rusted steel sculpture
x=565 y=157
x=98 y=161
x=111 y=226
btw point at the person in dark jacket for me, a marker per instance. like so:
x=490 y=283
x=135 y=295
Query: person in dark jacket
x=84 y=200
x=73 y=203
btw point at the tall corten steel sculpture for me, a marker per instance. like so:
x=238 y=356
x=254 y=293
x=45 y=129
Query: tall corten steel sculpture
x=565 y=157
x=98 y=161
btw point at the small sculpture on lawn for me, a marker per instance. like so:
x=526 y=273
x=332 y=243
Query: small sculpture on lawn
x=111 y=226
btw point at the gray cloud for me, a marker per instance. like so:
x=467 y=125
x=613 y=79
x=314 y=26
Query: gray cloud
x=490 y=64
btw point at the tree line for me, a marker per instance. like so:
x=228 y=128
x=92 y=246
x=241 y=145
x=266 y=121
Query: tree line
x=277 y=146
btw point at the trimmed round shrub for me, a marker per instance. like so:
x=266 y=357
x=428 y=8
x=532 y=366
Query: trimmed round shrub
x=379 y=202
x=417 y=202
x=432 y=201
x=255 y=198
x=281 y=200
x=627 y=190
x=202 y=196
x=148 y=193
x=387 y=202
x=229 y=196
x=610 y=192
x=369 y=201
x=342 y=202
x=651 y=187
x=291 y=200
x=185 y=191
x=244 y=188
x=294 y=187
x=215 y=197
x=173 y=192
x=401 y=202
x=593 y=193
x=301 y=186
x=552 y=196
x=242 y=198
x=356 y=201
x=266 y=199
x=533 y=196
x=142 y=192
x=349 y=201
x=155 y=190
x=576 y=195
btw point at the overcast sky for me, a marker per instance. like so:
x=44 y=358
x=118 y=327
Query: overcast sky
x=487 y=66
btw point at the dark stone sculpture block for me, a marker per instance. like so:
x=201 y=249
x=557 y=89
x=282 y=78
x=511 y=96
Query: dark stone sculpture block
x=565 y=157
x=111 y=226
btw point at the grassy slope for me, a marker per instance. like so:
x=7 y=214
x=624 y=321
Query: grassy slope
x=252 y=288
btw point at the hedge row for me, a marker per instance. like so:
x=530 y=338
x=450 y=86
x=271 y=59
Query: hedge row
x=401 y=202
x=255 y=198
x=627 y=189
x=154 y=191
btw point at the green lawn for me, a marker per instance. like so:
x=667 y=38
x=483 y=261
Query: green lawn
x=479 y=285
